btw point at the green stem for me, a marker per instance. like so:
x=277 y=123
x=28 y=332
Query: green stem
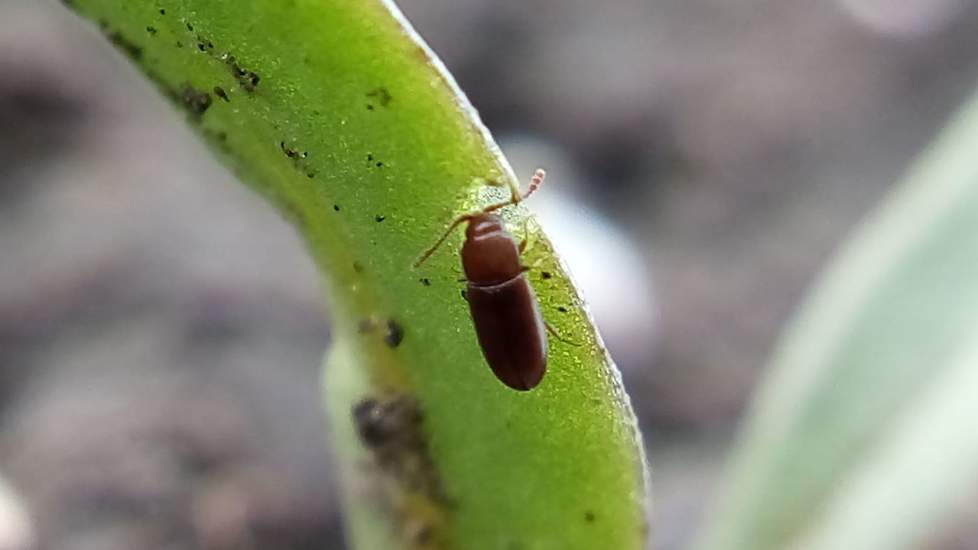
x=337 y=112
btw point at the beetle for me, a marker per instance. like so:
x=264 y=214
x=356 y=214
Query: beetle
x=504 y=310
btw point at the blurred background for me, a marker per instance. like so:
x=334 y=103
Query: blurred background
x=161 y=328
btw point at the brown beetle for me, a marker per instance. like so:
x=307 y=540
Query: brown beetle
x=504 y=309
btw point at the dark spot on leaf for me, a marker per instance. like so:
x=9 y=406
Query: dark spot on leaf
x=394 y=334
x=380 y=165
x=389 y=426
x=366 y=418
x=162 y=11
x=425 y=281
x=200 y=46
x=336 y=207
x=589 y=516
x=365 y=325
x=562 y=309
x=219 y=92
x=151 y=30
x=195 y=101
x=378 y=218
x=381 y=95
x=545 y=275
x=294 y=214
x=179 y=44
x=129 y=47
x=298 y=159
x=190 y=27
x=422 y=534
x=384 y=422
x=464 y=297
x=289 y=152
x=247 y=79
x=358 y=267
x=370 y=107
x=251 y=81
x=220 y=137
x=370 y=157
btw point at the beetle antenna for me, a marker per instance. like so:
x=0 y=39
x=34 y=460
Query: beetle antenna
x=518 y=197
x=535 y=181
x=455 y=223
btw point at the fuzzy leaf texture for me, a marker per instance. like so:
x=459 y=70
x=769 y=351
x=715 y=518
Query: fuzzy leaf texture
x=863 y=435
x=338 y=113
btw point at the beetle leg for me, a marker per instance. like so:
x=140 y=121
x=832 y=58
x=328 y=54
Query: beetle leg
x=553 y=332
x=517 y=197
x=535 y=264
x=451 y=227
x=526 y=237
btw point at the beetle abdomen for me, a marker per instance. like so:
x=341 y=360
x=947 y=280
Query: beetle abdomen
x=510 y=331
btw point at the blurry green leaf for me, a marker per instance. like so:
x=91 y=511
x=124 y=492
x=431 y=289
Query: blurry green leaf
x=335 y=111
x=863 y=435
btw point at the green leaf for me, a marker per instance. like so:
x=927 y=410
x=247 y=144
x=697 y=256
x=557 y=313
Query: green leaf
x=863 y=435
x=337 y=112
